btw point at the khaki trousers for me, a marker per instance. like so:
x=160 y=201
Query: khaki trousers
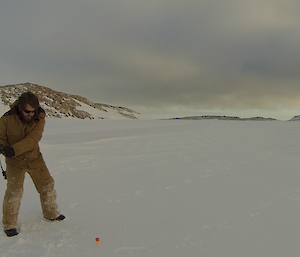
x=44 y=184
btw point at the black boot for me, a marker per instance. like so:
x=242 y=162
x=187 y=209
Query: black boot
x=11 y=232
x=60 y=217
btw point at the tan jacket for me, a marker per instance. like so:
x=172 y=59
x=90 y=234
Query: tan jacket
x=24 y=138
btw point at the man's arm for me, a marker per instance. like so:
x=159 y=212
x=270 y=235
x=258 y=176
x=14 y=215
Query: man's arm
x=31 y=140
x=3 y=133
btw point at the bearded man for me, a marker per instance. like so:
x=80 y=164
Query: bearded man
x=21 y=129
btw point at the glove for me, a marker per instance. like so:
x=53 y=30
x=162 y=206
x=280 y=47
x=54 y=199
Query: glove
x=8 y=151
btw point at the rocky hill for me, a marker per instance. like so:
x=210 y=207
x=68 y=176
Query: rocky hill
x=63 y=105
x=295 y=118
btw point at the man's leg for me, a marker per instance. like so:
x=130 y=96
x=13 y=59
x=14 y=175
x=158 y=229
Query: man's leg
x=44 y=184
x=13 y=196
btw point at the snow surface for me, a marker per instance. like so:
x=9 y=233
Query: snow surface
x=165 y=188
x=109 y=113
x=3 y=108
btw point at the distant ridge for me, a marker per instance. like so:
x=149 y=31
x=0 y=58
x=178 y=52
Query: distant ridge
x=63 y=105
x=216 y=117
x=295 y=118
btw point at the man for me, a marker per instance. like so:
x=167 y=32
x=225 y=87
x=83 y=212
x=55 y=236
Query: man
x=21 y=129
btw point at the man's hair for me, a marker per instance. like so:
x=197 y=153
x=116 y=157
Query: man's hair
x=28 y=98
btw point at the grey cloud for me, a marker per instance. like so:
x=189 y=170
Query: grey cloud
x=204 y=54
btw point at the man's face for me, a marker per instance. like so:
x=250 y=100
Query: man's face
x=27 y=113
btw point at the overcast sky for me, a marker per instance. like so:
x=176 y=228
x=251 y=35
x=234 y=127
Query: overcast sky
x=163 y=58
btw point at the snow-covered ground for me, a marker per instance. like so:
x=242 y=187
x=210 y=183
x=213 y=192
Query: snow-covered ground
x=165 y=188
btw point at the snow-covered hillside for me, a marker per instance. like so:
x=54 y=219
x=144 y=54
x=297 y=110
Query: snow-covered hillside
x=62 y=105
x=165 y=188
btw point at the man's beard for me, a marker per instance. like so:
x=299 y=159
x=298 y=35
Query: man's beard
x=26 y=119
